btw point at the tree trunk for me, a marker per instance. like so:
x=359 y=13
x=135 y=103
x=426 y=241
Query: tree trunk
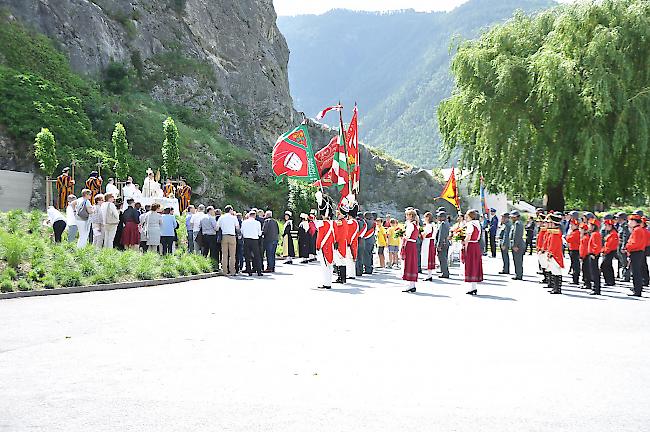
x=555 y=197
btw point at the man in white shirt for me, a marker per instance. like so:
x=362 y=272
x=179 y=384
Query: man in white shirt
x=228 y=224
x=196 y=225
x=112 y=189
x=251 y=230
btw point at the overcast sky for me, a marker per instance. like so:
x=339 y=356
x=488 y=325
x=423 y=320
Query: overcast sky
x=298 y=7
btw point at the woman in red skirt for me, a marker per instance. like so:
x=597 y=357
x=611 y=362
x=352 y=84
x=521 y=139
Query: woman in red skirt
x=410 y=250
x=428 y=252
x=472 y=250
x=130 y=235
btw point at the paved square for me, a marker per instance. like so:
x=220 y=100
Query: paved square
x=274 y=354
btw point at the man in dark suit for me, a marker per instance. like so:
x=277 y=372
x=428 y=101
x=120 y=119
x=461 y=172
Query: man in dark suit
x=504 y=242
x=494 y=225
x=442 y=244
x=518 y=244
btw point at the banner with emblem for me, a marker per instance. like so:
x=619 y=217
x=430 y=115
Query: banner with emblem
x=450 y=192
x=293 y=156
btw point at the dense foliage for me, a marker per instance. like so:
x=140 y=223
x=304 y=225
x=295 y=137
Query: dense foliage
x=395 y=65
x=29 y=259
x=556 y=104
x=38 y=89
x=45 y=151
x=121 y=146
x=170 y=152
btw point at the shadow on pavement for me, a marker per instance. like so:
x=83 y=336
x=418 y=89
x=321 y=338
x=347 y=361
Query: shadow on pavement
x=493 y=297
x=424 y=294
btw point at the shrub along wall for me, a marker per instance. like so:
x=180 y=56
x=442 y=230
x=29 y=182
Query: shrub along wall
x=30 y=260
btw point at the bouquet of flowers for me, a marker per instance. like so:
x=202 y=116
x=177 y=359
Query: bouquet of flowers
x=458 y=234
x=399 y=233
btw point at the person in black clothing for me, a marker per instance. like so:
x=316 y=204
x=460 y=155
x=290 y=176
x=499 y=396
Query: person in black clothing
x=494 y=225
x=271 y=232
x=530 y=235
x=303 y=237
x=287 y=239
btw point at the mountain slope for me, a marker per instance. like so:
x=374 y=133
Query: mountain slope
x=395 y=65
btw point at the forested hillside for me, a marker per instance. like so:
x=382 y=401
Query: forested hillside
x=395 y=65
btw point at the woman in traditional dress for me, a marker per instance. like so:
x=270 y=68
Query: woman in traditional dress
x=154 y=223
x=410 y=250
x=428 y=252
x=288 y=250
x=130 y=237
x=472 y=251
x=303 y=237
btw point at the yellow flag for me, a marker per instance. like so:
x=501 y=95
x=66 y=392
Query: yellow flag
x=450 y=192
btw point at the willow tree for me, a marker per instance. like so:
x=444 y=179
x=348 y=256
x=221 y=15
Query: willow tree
x=556 y=104
x=170 y=151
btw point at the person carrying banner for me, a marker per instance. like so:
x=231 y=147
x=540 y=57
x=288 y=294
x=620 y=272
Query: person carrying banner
x=325 y=240
x=341 y=244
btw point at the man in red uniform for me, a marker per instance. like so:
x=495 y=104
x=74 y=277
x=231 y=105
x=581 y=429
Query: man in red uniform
x=554 y=253
x=573 y=242
x=540 y=243
x=325 y=240
x=584 y=255
x=595 y=248
x=341 y=244
x=609 y=250
x=353 y=242
x=635 y=249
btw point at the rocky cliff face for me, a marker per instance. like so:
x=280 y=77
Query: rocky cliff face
x=225 y=58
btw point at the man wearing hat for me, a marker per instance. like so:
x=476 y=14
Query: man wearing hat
x=341 y=244
x=595 y=249
x=94 y=184
x=644 y=263
x=635 y=249
x=288 y=249
x=555 y=257
x=494 y=226
x=504 y=242
x=369 y=241
x=623 y=236
x=540 y=244
x=518 y=244
x=442 y=244
x=573 y=244
x=64 y=187
x=325 y=239
x=361 y=246
x=609 y=250
x=352 y=241
x=169 y=191
x=184 y=193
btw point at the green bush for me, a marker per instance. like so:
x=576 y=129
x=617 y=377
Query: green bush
x=147 y=266
x=168 y=271
x=14 y=249
x=6 y=286
x=69 y=278
x=49 y=282
x=10 y=273
x=33 y=276
x=23 y=285
x=87 y=268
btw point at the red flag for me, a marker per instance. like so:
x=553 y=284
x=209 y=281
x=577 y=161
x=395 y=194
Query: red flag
x=325 y=156
x=352 y=147
x=293 y=156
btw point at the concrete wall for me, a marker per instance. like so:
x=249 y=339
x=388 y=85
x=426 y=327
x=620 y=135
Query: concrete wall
x=15 y=190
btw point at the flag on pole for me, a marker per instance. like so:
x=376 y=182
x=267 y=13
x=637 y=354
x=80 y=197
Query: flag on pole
x=450 y=192
x=339 y=163
x=325 y=156
x=293 y=156
x=321 y=114
x=352 y=148
x=483 y=202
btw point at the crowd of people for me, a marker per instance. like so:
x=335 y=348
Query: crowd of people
x=349 y=244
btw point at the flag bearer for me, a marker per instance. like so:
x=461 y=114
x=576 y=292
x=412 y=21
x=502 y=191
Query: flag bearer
x=341 y=244
x=325 y=242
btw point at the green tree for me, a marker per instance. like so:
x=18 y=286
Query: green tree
x=301 y=197
x=556 y=104
x=121 y=146
x=45 y=151
x=170 y=152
